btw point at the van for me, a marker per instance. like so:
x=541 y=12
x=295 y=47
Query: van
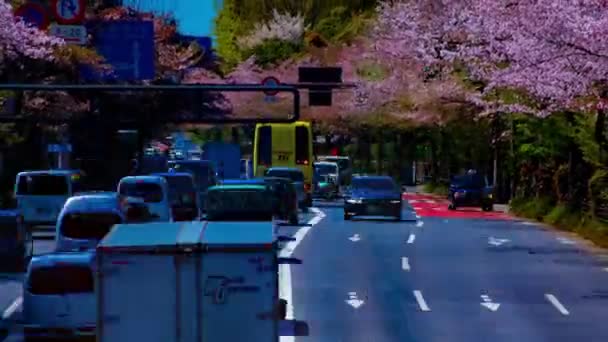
x=85 y=220
x=41 y=194
x=182 y=194
x=154 y=190
x=204 y=174
x=59 y=297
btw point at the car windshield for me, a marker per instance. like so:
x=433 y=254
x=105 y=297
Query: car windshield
x=64 y=279
x=343 y=163
x=43 y=184
x=239 y=204
x=150 y=192
x=295 y=176
x=88 y=226
x=199 y=171
x=178 y=186
x=469 y=181
x=374 y=184
x=325 y=169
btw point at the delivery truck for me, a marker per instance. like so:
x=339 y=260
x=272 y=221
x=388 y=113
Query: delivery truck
x=226 y=157
x=189 y=282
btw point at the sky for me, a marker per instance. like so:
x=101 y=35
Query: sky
x=194 y=17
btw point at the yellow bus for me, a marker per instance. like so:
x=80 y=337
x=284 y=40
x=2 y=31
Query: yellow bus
x=286 y=145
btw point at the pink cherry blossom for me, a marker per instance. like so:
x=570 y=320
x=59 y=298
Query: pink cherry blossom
x=18 y=39
x=557 y=50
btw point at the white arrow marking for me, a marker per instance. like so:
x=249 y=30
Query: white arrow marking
x=497 y=242
x=411 y=239
x=421 y=302
x=354 y=238
x=419 y=224
x=354 y=301
x=405 y=264
x=553 y=300
x=491 y=306
x=487 y=303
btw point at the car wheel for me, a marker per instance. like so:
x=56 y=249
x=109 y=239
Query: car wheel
x=347 y=216
x=451 y=206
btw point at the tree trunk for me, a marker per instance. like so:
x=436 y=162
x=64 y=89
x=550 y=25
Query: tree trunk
x=600 y=133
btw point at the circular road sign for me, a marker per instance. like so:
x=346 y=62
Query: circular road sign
x=69 y=12
x=33 y=13
x=271 y=81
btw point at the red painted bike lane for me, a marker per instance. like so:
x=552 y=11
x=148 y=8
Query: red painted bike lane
x=427 y=205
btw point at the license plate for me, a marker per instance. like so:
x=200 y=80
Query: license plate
x=374 y=208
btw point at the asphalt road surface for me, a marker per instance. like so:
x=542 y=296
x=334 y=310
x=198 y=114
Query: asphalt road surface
x=438 y=275
x=487 y=277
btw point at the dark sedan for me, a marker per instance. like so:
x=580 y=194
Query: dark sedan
x=470 y=190
x=373 y=196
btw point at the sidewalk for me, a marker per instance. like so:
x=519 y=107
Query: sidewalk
x=419 y=189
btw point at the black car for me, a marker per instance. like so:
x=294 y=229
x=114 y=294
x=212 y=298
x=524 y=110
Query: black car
x=471 y=190
x=373 y=196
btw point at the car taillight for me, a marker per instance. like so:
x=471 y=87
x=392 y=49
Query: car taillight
x=307 y=186
x=302 y=162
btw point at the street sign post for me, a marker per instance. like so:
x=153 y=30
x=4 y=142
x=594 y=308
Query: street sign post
x=270 y=81
x=69 y=12
x=34 y=14
x=128 y=46
x=74 y=34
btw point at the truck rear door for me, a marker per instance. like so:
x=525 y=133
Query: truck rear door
x=239 y=296
x=133 y=291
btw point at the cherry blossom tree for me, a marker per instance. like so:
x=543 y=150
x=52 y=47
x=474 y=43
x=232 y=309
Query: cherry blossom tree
x=18 y=39
x=555 y=50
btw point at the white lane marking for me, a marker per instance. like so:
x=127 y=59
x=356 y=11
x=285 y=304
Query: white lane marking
x=566 y=241
x=412 y=238
x=285 y=286
x=405 y=264
x=606 y=269
x=418 y=216
x=497 y=242
x=553 y=300
x=355 y=238
x=527 y=223
x=419 y=223
x=12 y=308
x=421 y=302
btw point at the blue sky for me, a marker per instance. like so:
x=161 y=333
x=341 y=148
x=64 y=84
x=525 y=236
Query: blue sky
x=194 y=17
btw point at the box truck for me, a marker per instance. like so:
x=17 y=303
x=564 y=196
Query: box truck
x=190 y=282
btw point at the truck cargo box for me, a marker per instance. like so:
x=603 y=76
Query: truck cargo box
x=187 y=282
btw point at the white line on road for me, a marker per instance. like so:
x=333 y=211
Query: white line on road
x=553 y=300
x=411 y=239
x=418 y=216
x=419 y=223
x=421 y=302
x=285 y=287
x=405 y=264
x=12 y=308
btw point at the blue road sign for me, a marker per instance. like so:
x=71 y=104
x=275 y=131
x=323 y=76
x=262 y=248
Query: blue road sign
x=59 y=148
x=128 y=46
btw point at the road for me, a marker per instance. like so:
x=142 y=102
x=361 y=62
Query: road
x=486 y=277
x=435 y=276
x=11 y=283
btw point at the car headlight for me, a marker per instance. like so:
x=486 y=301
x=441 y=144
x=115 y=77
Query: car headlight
x=490 y=195
x=354 y=201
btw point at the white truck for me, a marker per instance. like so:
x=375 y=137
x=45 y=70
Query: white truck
x=190 y=282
